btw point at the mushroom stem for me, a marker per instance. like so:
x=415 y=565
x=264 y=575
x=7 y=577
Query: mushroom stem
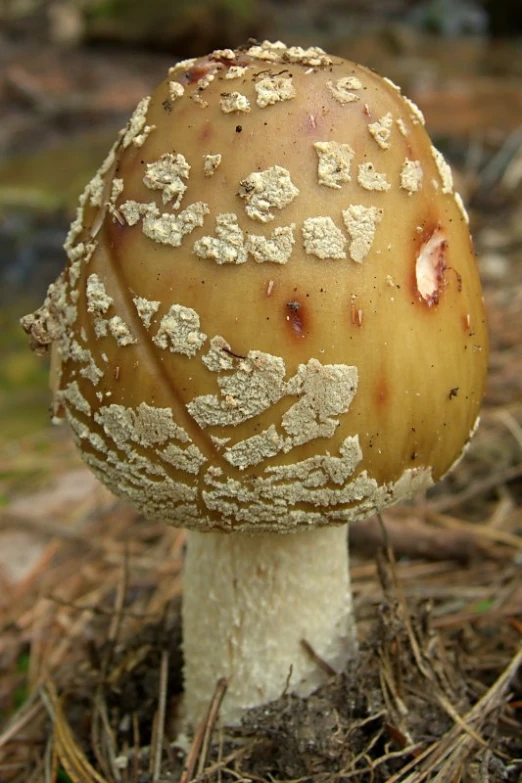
x=250 y=602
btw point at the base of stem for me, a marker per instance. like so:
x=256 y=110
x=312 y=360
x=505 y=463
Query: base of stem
x=255 y=606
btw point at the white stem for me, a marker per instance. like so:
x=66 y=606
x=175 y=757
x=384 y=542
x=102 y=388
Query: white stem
x=249 y=601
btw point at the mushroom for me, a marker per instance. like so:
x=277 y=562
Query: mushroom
x=270 y=324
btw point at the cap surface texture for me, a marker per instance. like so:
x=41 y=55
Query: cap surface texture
x=271 y=315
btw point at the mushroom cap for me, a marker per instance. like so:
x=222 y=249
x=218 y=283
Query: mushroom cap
x=271 y=316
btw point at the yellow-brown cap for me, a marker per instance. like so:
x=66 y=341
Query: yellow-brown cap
x=271 y=317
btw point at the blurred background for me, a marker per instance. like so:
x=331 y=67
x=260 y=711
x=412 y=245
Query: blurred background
x=71 y=71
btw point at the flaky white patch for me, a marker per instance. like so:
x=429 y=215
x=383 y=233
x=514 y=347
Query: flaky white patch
x=148 y=437
x=236 y=71
x=188 y=459
x=164 y=228
x=342 y=89
x=257 y=382
x=325 y=391
x=92 y=372
x=117 y=186
x=220 y=444
x=273 y=89
x=73 y=395
x=255 y=385
x=167 y=174
x=206 y=81
x=314 y=491
x=322 y=470
x=137 y=129
x=276 y=249
x=411 y=176
x=444 y=170
x=196 y=97
x=268 y=50
x=74 y=351
x=211 y=163
x=74 y=274
x=70 y=245
x=381 y=130
x=416 y=115
x=81 y=432
x=224 y=54
x=148 y=487
x=254 y=450
x=179 y=331
x=133 y=211
x=98 y=301
x=218 y=358
x=264 y=190
x=392 y=84
x=234 y=102
x=361 y=223
x=323 y=239
x=335 y=160
x=278 y=52
x=228 y=246
x=120 y=331
x=97 y=193
x=313 y=56
x=135 y=451
x=182 y=65
x=403 y=128
x=147 y=309
x=370 y=179
x=170 y=229
x=176 y=91
x=54 y=320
